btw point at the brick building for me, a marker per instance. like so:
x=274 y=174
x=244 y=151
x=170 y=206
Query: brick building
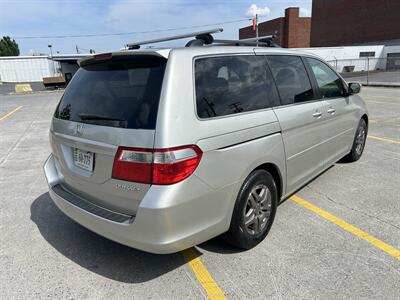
x=352 y=22
x=292 y=31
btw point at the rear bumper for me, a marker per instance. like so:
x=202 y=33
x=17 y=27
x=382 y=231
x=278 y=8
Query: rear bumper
x=169 y=218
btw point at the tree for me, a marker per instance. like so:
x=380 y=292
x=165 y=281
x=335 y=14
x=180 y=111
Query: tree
x=8 y=47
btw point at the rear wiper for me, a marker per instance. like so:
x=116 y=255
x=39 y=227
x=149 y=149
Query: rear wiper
x=98 y=117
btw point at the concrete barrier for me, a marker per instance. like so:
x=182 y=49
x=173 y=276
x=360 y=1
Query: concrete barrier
x=23 y=88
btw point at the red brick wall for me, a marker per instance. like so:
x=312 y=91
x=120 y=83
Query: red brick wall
x=275 y=26
x=346 y=22
x=291 y=30
x=297 y=29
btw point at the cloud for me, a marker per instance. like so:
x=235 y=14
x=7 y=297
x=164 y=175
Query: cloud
x=304 y=12
x=61 y=17
x=256 y=10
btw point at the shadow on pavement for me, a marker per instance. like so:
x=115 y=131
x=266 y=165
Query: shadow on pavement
x=218 y=245
x=95 y=253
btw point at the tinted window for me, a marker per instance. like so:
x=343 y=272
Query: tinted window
x=291 y=79
x=330 y=85
x=118 y=93
x=228 y=85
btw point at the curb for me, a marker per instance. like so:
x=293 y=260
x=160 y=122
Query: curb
x=34 y=92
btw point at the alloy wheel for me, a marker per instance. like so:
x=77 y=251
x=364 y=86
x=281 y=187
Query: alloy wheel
x=360 y=140
x=257 y=209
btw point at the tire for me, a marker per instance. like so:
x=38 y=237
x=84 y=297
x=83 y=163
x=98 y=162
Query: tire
x=259 y=183
x=358 y=143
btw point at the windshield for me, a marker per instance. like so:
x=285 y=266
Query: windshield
x=122 y=92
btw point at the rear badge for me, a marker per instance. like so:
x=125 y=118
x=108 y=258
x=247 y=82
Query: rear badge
x=127 y=187
x=79 y=129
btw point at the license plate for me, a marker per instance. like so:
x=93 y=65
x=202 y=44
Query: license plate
x=84 y=159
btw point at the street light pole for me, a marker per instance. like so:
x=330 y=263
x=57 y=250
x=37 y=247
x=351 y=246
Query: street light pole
x=51 y=51
x=52 y=61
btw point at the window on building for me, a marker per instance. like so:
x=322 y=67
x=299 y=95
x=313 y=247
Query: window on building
x=367 y=54
x=291 y=79
x=329 y=84
x=234 y=84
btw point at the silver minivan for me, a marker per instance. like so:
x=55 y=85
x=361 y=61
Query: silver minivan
x=164 y=149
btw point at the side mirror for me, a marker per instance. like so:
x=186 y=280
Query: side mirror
x=354 y=87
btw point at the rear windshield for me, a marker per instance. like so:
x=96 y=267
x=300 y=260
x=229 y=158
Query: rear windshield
x=122 y=92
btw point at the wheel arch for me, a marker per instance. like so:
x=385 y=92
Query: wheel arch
x=365 y=118
x=276 y=174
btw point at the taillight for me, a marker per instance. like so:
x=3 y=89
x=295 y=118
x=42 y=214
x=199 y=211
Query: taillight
x=156 y=166
x=133 y=164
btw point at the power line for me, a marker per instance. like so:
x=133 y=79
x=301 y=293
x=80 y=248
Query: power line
x=128 y=33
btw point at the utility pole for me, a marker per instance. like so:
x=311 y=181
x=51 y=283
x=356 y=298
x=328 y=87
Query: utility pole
x=257 y=29
x=256 y=25
x=76 y=47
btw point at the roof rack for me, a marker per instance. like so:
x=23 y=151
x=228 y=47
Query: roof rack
x=205 y=38
x=264 y=41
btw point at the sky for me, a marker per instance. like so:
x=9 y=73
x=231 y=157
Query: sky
x=24 y=19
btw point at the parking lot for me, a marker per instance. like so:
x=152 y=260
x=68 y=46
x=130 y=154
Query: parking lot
x=337 y=238
x=384 y=78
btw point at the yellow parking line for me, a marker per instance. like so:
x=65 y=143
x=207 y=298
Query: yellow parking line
x=10 y=113
x=350 y=228
x=383 y=139
x=203 y=276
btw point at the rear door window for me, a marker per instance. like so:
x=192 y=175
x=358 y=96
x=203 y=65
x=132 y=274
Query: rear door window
x=329 y=84
x=233 y=84
x=122 y=92
x=291 y=79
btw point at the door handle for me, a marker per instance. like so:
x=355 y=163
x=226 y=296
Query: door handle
x=331 y=111
x=317 y=114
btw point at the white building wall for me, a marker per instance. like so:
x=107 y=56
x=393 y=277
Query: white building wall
x=27 y=68
x=339 y=57
x=391 y=49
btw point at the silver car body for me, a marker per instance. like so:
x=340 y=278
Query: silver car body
x=296 y=142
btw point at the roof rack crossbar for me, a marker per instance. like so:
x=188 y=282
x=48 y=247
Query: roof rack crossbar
x=206 y=34
x=262 y=41
x=267 y=39
x=239 y=43
x=260 y=38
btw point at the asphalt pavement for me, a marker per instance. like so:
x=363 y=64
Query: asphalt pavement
x=44 y=254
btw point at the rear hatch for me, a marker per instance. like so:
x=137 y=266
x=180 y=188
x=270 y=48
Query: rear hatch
x=112 y=101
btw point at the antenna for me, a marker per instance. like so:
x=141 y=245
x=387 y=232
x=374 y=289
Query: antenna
x=204 y=35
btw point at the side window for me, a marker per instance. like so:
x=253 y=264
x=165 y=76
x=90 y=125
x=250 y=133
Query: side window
x=291 y=79
x=233 y=84
x=330 y=85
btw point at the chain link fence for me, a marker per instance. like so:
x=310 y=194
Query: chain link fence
x=370 y=70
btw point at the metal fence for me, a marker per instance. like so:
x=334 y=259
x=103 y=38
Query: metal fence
x=370 y=70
